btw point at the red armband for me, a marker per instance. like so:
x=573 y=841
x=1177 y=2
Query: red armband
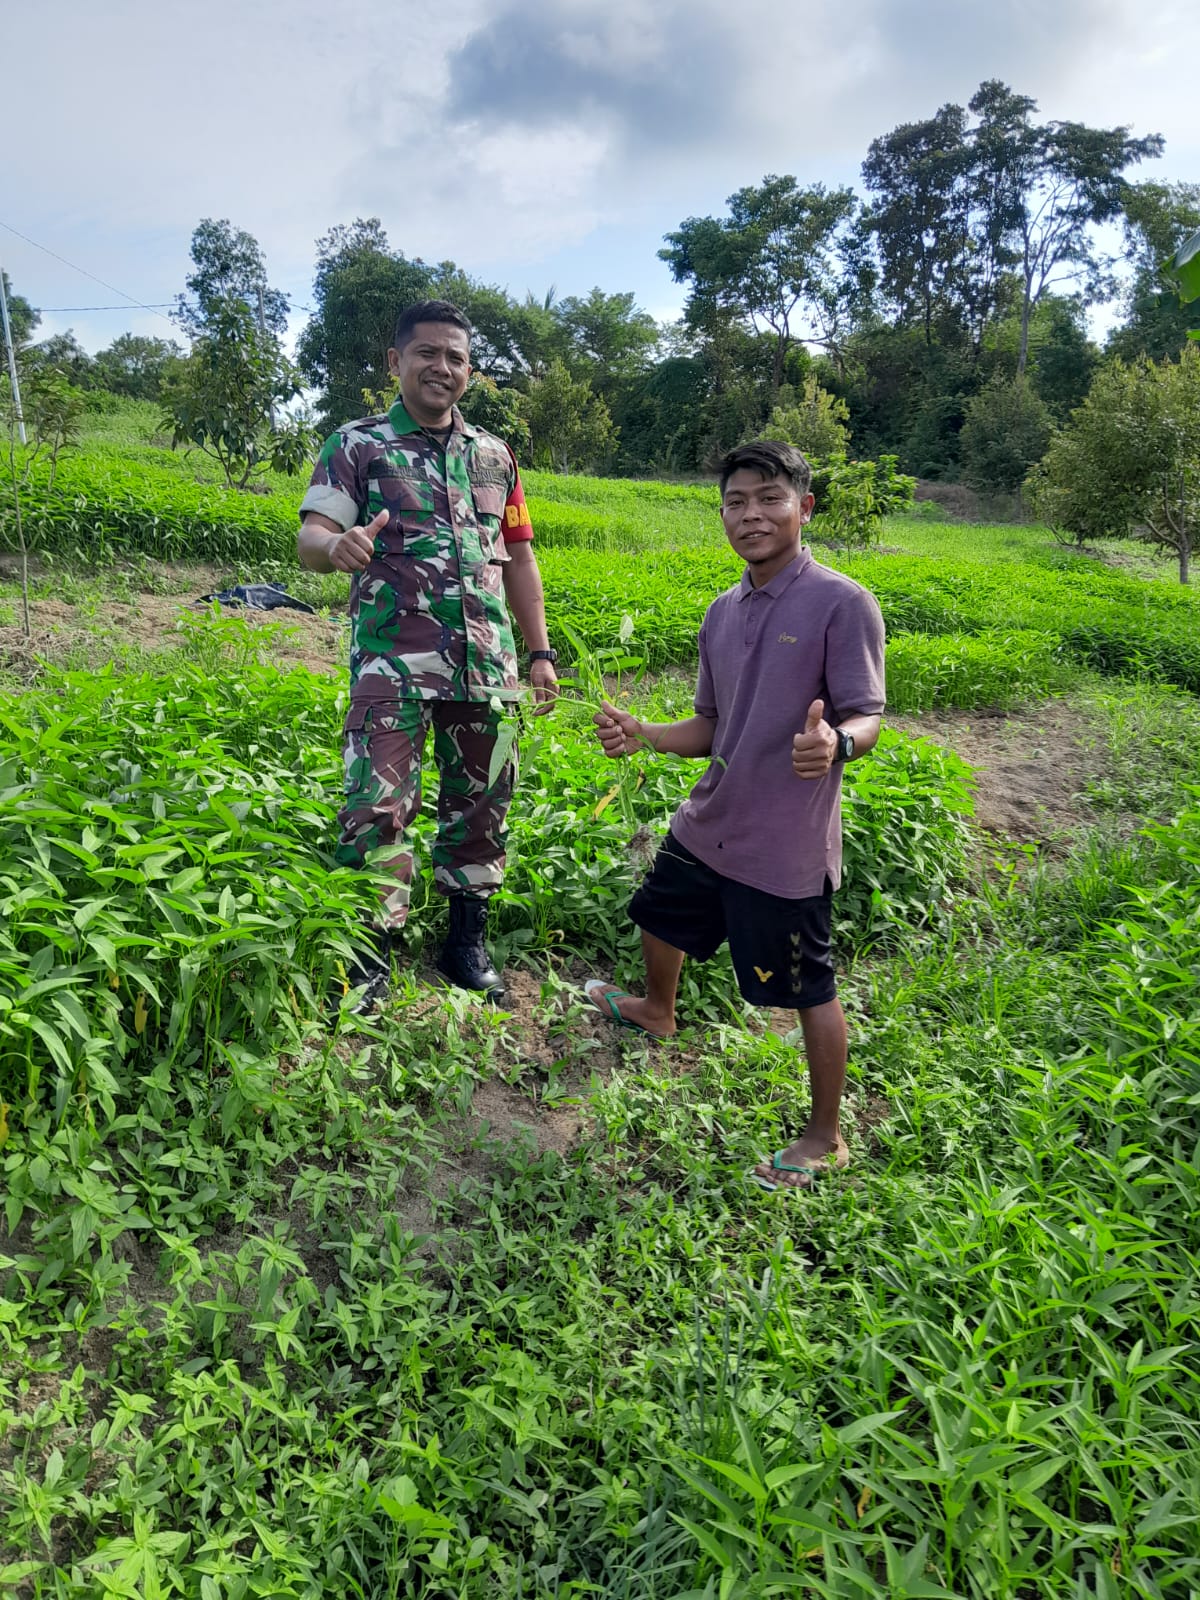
x=517 y=526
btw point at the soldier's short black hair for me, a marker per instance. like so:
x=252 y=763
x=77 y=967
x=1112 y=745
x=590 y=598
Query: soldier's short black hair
x=427 y=311
x=771 y=458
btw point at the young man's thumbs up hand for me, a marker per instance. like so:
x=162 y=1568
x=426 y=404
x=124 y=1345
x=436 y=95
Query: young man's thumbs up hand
x=814 y=749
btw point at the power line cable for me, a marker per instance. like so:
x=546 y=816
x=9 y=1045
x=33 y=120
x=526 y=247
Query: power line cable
x=158 y=307
x=56 y=310
x=74 y=268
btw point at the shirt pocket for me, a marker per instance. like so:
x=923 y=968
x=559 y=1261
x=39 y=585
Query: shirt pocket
x=408 y=502
x=489 y=502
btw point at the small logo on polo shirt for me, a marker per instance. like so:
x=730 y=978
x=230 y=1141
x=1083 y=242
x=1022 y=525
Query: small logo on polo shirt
x=786 y=638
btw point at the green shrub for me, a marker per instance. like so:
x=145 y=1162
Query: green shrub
x=1006 y=431
x=173 y=895
x=1106 y=620
x=105 y=505
x=973 y=671
x=815 y=421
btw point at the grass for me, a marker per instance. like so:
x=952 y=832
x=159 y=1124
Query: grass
x=229 y=1356
x=293 y=1310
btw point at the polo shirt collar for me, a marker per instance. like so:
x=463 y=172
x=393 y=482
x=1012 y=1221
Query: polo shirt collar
x=781 y=580
x=402 y=423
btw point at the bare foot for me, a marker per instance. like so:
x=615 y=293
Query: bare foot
x=629 y=1009
x=804 y=1162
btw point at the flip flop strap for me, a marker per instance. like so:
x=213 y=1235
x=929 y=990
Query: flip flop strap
x=610 y=998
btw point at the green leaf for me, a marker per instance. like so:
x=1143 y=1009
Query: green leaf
x=505 y=739
x=707 y=1542
x=1183 y=269
x=865 y=1426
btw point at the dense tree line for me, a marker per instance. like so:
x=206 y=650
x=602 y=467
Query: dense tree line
x=938 y=317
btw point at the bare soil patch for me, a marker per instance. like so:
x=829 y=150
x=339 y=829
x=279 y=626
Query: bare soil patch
x=63 y=632
x=1032 y=769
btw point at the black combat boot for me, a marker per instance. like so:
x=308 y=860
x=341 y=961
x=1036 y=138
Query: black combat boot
x=464 y=958
x=371 y=971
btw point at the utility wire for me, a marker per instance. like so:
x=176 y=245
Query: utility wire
x=74 y=268
x=157 y=308
x=54 y=310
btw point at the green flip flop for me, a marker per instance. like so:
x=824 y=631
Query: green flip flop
x=814 y=1174
x=604 y=997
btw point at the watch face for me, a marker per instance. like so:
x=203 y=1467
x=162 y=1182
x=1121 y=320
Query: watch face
x=845 y=746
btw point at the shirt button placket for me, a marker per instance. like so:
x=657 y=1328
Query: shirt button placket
x=471 y=672
x=753 y=617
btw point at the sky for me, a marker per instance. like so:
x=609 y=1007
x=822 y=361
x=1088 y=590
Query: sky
x=547 y=145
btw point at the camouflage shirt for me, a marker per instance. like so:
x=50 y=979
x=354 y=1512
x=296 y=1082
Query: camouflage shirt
x=428 y=619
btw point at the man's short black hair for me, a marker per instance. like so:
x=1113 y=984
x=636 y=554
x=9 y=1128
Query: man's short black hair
x=770 y=458
x=427 y=311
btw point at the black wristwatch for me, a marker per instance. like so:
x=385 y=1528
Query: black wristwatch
x=845 y=745
x=544 y=655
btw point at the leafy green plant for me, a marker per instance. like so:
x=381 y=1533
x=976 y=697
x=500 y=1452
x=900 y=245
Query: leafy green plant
x=287 y=1309
x=815 y=421
x=49 y=421
x=222 y=396
x=974 y=671
x=1128 y=459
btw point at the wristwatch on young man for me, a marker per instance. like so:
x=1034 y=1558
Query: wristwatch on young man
x=544 y=655
x=845 y=745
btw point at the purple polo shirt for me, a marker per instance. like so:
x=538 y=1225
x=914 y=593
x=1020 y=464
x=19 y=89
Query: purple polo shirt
x=765 y=655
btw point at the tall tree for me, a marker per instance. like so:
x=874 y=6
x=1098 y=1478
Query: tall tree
x=65 y=354
x=920 y=176
x=1158 y=218
x=511 y=340
x=134 y=365
x=608 y=339
x=227 y=261
x=359 y=288
x=996 y=183
x=960 y=206
x=1053 y=183
x=770 y=263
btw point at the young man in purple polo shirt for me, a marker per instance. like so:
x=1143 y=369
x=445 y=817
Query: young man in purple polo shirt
x=790 y=688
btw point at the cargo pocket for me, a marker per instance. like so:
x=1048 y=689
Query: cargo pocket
x=408 y=510
x=489 y=500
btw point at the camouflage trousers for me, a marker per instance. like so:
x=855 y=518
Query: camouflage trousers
x=382 y=751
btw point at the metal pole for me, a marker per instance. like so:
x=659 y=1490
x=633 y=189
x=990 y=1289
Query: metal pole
x=262 y=328
x=12 y=359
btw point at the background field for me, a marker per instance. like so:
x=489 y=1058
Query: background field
x=468 y=1304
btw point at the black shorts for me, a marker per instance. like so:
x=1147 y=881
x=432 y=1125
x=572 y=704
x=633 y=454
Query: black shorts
x=780 y=948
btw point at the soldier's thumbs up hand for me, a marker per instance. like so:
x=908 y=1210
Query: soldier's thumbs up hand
x=352 y=551
x=814 y=749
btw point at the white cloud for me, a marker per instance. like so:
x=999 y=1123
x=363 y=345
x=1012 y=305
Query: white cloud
x=518 y=140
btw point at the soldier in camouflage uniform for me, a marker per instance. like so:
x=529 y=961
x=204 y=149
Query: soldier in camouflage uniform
x=428 y=516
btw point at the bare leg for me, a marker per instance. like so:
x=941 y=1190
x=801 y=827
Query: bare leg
x=821 y=1144
x=656 y=1013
